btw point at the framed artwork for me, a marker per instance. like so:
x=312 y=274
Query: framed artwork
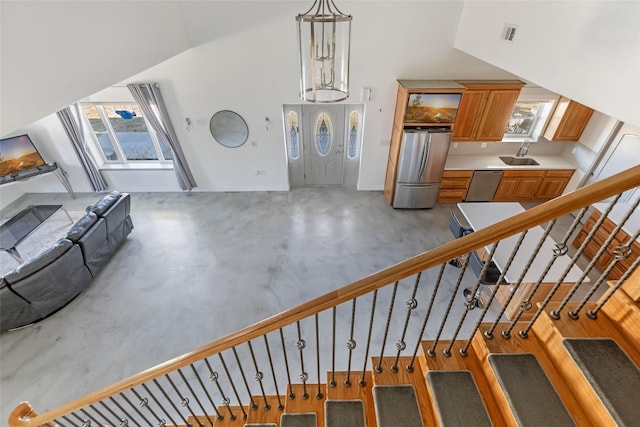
x=436 y=108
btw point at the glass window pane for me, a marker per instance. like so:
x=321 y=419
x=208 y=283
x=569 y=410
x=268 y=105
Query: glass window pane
x=107 y=147
x=523 y=118
x=324 y=136
x=352 y=147
x=294 y=147
x=94 y=118
x=167 y=152
x=131 y=131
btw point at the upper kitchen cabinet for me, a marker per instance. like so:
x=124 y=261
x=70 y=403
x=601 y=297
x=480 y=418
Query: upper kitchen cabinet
x=485 y=109
x=567 y=121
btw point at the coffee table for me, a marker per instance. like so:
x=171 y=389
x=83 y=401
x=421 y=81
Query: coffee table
x=23 y=224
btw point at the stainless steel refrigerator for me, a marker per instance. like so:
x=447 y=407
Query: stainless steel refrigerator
x=422 y=157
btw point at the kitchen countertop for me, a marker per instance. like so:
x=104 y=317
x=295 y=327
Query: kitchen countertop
x=493 y=162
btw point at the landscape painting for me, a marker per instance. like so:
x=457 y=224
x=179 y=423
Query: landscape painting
x=432 y=108
x=17 y=154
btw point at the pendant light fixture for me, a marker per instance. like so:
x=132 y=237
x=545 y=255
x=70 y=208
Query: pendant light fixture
x=324 y=39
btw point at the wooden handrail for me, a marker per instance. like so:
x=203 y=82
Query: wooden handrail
x=530 y=218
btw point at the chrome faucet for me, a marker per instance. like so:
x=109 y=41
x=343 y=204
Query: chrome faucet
x=524 y=148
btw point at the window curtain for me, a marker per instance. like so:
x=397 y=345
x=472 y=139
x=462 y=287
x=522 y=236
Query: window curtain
x=75 y=131
x=150 y=100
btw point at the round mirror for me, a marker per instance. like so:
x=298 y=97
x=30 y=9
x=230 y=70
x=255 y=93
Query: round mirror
x=229 y=128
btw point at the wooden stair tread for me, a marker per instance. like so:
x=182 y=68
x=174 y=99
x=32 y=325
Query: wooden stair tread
x=312 y=404
x=355 y=391
x=299 y=420
x=263 y=415
x=611 y=373
x=453 y=390
x=622 y=310
x=538 y=404
x=403 y=377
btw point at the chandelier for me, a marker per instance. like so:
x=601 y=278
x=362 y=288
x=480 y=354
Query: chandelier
x=324 y=35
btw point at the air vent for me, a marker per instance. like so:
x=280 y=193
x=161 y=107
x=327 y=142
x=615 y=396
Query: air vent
x=509 y=32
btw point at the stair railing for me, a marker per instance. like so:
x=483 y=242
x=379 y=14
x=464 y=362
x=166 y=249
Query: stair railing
x=291 y=350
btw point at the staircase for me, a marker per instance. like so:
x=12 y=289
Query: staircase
x=574 y=361
x=564 y=373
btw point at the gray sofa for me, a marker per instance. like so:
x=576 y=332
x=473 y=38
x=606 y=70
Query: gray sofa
x=46 y=283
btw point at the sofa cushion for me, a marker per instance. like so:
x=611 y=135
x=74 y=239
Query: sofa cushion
x=39 y=262
x=14 y=310
x=116 y=214
x=95 y=246
x=107 y=201
x=81 y=227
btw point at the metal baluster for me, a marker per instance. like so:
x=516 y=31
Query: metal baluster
x=233 y=386
x=319 y=394
x=525 y=332
x=127 y=415
x=412 y=304
x=82 y=421
x=362 y=382
x=88 y=415
x=195 y=396
x=57 y=423
x=432 y=351
x=173 y=405
x=301 y=344
x=273 y=372
x=560 y=249
x=351 y=344
x=259 y=376
x=123 y=421
x=254 y=405
x=378 y=367
x=426 y=318
x=291 y=394
x=333 y=383
x=71 y=422
x=463 y=351
x=612 y=290
x=469 y=305
x=206 y=392
x=135 y=408
x=184 y=401
x=166 y=413
x=144 y=403
x=109 y=422
x=574 y=314
x=213 y=376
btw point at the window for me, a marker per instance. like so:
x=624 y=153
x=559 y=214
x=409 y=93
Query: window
x=352 y=144
x=527 y=119
x=324 y=134
x=123 y=134
x=294 y=143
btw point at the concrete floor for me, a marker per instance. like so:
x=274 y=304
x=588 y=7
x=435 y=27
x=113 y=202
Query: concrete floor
x=198 y=266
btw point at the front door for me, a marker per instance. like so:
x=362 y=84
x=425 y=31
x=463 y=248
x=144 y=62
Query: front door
x=323 y=140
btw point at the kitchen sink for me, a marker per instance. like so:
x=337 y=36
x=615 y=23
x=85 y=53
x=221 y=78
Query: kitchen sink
x=518 y=161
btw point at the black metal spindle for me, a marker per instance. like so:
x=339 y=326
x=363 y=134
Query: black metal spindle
x=195 y=396
x=83 y=422
x=362 y=381
x=124 y=411
x=378 y=367
x=184 y=401
x=206 y=392
x=291 y=394
x=426 y=317
x=259 y=376
x=173 y=405
x=122 y=421
x=463 y=351
x=233 y=387
x=351 y=344
x=90 y=417
x=574 y=314
x=254 y=404
x=559 y=250
x=431 y=352
x=213 y=376
x=58 y=423
x=319 y=394
x=273 y=372
x=304 y=376
x=109 y=421
x=69 y=421
x=333 y=383
x=162 y=408
x=135 y=408
x=593 y=314
x=144 y=403
x=412 y=304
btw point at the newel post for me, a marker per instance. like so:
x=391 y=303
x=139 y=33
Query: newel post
x=22 y=413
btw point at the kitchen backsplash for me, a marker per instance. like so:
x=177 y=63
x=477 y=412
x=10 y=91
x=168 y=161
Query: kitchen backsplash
x=509 y=148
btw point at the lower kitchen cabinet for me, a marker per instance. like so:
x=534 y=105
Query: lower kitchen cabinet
x=526 y=185
x=454 y=185
x=553 y=184
x=598 y=240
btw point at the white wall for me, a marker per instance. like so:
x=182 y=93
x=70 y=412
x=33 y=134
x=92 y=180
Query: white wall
x=588 y=51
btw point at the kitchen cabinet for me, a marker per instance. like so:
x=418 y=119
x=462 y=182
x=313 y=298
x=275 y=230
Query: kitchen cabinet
x=406 y=88
x=567 y=121
x=485 y=109
x=598 y=240
x=525 y=185
x=454 y=185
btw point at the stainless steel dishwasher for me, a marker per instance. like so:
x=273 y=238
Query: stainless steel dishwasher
x=483 y=186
